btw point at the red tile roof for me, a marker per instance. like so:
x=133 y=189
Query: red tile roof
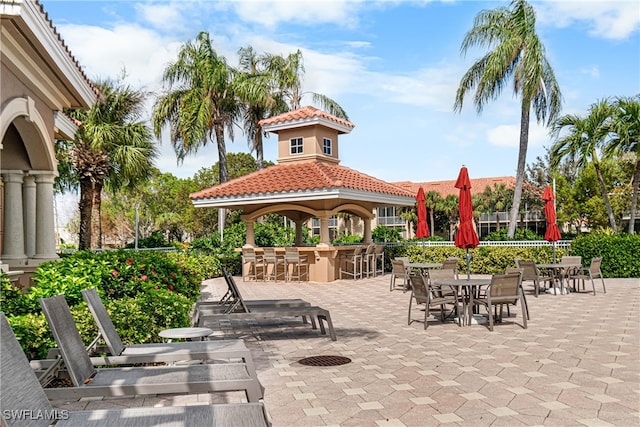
x=300 y=176
x=446 y=188
x=304 y=114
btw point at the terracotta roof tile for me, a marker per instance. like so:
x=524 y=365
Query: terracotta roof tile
x=299 y=177
x=303 y=114
x=446 y=188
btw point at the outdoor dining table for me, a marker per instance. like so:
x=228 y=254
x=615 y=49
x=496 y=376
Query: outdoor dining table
x=425 y=265
x=469 y=289
x=555 y=270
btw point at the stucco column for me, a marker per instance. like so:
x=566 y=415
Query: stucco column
x=45 y=225
x=13 y=247
x=29 y=212
x=367 y=231
x=251 y=239
x=324 y=230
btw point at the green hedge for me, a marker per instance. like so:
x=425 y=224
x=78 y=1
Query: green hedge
x=619 y=254
x=144 y=292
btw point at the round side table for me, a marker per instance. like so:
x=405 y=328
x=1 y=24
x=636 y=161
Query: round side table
x=186 y=333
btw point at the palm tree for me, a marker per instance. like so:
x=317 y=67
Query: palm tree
x=433 y=200
x=584 y=137
x=257 y=90
x=449 y=206
x=516 y=53
x=199 y=101
x=625 y=126
x=289 y=75
x=113 y=146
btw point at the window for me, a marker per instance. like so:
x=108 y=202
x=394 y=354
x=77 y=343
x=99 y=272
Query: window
x=326 y=146
x=295 y=145
x=333 y=226
x=388 y=216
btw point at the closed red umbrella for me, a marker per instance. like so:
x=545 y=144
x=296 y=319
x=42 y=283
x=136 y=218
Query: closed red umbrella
x=466 y=236
x=423 y=228
x=553 y=233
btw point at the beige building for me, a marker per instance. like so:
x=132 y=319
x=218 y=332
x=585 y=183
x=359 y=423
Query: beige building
x=39 y=79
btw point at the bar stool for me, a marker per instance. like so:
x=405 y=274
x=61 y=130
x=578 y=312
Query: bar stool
x=298 y=262
x=253 y=263
x=368 y=261
x=352 y=263
x=378 y=261
x=271 y=258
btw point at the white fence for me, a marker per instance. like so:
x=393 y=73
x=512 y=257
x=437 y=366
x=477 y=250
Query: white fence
x=516 y=243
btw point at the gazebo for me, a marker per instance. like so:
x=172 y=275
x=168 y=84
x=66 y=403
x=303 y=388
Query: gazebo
x=307 y=182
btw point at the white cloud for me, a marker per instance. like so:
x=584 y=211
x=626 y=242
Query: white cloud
x=104 y=53
x=593 y=71
x=509 y=135
x=273 y=12
x=165 y=15
x=616 y=19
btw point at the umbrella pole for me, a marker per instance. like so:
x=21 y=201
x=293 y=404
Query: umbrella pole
x=553 y=245
x=468 y=265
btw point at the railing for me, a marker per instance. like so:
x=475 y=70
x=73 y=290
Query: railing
x=514 y=243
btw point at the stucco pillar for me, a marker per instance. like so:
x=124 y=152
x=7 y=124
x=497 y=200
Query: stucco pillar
x=13 y=247
x=45 y=224
x=29 y=213
x=367 y=231
x=324 y=230
x=251 y=239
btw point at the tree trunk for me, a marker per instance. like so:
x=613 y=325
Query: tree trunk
x=223 y=174
x=605 y=196
x=432 y=221
x=522 y=160
x=635 y=184
x=96 y=217
x=257 y=144
x=84 y=206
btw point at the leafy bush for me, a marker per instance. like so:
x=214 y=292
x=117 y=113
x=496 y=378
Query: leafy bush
x=348 y=239
x=145 y=292
x=11 y=300
x=155 y=240
x=386 y=234
x=520 y=234
x=619 y=252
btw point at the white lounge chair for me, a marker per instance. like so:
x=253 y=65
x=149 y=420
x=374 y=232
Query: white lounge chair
x=90 y=381
x=22 y=396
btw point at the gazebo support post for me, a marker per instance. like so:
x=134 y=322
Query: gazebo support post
x=251 y=240
x=367 y=230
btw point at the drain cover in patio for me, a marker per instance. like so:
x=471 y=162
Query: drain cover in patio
x=324 y=361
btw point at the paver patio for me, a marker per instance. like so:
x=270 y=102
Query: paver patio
x=578 y=364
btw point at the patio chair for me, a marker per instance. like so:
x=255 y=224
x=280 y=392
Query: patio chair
x=368 y=260
x=590 y=273
x=510 y=270
x=271 y=259
x=451 y=263
x=565 y=273
x=424 y=293
x=505 y=289
x=352 y=263
x=378 y=261
x=531 y=273
x=120 y=354
x=399 y=272
x=298 y=262
x=246 y=312
x=252 y=265
x=89 y=381
x=20 y=393
x=447 y=291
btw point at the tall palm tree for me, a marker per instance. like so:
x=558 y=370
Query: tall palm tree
x=517 y=54
x=258 y=92
x=289 y=74
x=112 y=147
x=583 y=138
x=625 y=126
x=433 y=201
x=199 y=102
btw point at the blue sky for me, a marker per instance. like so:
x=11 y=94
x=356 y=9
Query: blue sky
x=394 y=66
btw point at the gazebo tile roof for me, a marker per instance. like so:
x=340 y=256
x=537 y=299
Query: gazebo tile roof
x=303 y=114
x=298 y=177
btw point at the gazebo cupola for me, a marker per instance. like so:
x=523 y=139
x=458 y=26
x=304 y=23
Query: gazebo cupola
x=307 y=134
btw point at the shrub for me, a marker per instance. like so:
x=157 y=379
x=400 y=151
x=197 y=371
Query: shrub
x=619 y=253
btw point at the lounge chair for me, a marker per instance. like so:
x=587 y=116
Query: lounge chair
x=89 y=381
x=232 y=301
x=121 y=354
x=22 y=396
x=245 y=312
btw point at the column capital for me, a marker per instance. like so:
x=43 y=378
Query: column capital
x=16 y=176
x=43 y=176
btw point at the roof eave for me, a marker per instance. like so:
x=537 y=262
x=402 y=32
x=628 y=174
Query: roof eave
x=297 y=123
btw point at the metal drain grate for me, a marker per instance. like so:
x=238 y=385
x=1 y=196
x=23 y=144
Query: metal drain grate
x=324 y=361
